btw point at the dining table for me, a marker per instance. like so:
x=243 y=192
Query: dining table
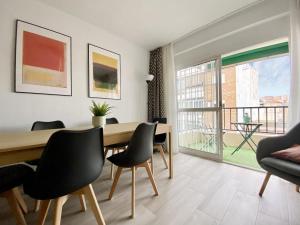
x=21 y=146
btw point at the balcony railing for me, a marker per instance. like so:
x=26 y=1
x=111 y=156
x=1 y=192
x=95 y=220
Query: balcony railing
x=273 y=118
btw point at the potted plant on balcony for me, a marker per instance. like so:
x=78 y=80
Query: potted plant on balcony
x=99 y=111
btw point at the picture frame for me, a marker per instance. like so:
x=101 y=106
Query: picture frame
x=43 y=60
x=104 y=73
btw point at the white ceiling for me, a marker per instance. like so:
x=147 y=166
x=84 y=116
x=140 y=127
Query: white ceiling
x=149 y=23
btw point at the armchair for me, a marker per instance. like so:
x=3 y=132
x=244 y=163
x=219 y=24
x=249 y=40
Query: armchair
x=284 y=169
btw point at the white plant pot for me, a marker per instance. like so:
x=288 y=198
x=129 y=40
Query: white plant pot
x=99 y=121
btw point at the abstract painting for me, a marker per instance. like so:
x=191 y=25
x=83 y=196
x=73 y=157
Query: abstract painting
x=104 y=73
x=43 y=60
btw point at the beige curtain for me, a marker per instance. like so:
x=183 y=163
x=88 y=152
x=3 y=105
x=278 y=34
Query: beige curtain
x=169 y=77
x=294 y=44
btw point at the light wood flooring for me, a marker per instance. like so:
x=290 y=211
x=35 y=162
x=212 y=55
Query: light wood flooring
x=202 y=192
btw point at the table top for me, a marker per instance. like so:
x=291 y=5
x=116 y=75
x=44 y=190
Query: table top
x=37 y=139
x=250 y=124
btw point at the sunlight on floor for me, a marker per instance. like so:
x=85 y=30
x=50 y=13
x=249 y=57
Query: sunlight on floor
x=243 y=157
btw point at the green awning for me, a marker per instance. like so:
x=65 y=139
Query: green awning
x=267 y=51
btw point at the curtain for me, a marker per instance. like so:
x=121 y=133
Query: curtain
x=156 y=97
x=170 y=91
x=294 y=100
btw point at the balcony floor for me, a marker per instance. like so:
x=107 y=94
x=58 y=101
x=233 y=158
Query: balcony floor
x=243 y=157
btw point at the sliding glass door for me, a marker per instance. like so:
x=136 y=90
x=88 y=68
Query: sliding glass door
x=199 y=109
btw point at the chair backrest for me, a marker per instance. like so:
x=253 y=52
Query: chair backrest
x=70 y=161
x=160 y=120
x=112 y=120
x=292 y=135
x=140 y=147
x=160 y=137
x=43 y=125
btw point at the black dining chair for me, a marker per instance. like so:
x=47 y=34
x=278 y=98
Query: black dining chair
x=139 y=151
x=160 y=140
x=11 y=177
x=44 y=125
x=112 y=120
x=114 y=147
x=71 y=161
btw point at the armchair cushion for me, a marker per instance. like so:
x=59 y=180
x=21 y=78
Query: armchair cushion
x=282 y=165
x=292 y=154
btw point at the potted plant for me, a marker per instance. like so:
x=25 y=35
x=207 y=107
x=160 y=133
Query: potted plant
x=99 y=111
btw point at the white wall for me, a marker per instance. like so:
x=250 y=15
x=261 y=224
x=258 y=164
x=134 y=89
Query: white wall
x=18 y=111
x=260 y=23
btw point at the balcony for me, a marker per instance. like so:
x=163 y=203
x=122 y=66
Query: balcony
x=197 y=130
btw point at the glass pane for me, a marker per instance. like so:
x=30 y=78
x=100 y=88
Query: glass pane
x=196 y=86
x=198 y=131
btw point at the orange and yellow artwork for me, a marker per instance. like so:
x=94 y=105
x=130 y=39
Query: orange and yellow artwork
x=44 y=61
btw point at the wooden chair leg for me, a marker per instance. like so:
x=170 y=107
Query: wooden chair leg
x=133 y=193
x=37 y=205
x=146 y=164
x=263 y=187
x=59 y=202
x=20 y=200
x=297 y=188
x=14 y=205
x=44 y=208
x=105 y=152
x=90 y=195
x=82 y=202
x=152 y=165
x=112 y=167
x=113 y=187
x=161 y=151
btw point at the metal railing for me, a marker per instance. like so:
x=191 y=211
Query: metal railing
x=273 y=118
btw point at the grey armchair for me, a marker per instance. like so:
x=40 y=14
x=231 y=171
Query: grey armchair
x=284 y=169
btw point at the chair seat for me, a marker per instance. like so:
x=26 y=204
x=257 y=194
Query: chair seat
x=13 y=176
x=121 y=160
x=159 y=142
x=160 y=138
x=34 y=162
x=119 y=145
x=282 y=165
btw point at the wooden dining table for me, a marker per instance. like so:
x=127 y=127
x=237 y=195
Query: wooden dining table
x=23 y=146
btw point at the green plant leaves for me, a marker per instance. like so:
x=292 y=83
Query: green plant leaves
x=100 y=109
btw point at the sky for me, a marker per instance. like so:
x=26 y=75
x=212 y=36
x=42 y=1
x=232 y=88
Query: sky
x=274 y=76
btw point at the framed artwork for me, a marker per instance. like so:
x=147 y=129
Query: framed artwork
x=104 y=73
x=43 y=61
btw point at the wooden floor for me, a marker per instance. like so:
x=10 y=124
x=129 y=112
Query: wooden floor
x=202 y=192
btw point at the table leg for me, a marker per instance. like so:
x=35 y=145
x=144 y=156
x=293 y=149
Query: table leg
x=250 y=135
x=247 y=136
x=242 y=143
x=239 y=147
